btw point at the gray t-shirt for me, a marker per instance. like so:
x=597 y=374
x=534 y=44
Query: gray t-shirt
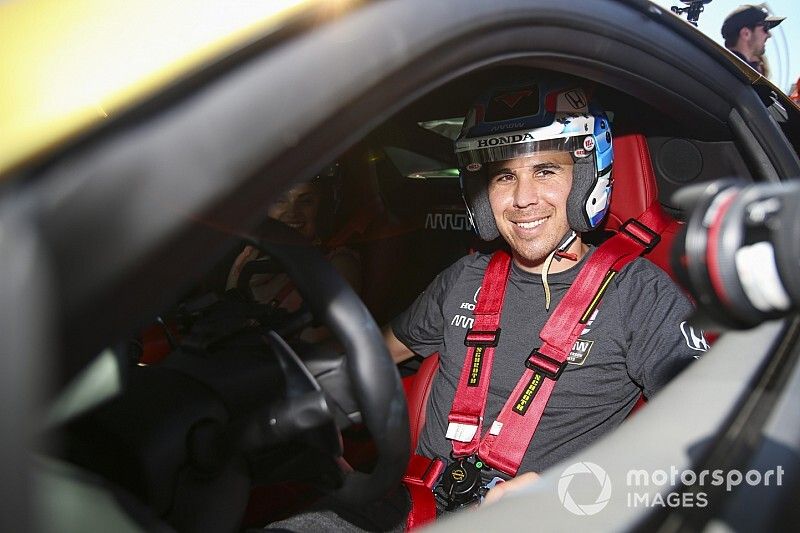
x=634 y=343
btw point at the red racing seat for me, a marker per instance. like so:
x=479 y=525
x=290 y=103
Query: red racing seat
x=636 y=190
x=418 y=388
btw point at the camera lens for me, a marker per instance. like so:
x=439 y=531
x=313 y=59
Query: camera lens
x=738 y=252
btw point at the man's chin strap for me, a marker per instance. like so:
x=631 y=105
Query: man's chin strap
x=560 y=253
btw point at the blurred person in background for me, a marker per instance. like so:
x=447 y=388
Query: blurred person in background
x=746 y=31
x=307 y=208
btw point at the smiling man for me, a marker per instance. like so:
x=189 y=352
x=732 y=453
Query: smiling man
x=535 y=161
x=528 y=197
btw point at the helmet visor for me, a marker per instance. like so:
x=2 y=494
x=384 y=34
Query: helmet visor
x=472 y=154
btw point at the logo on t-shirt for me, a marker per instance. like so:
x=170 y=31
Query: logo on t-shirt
x=465 y=321
x=582 y=347
x=580 y=351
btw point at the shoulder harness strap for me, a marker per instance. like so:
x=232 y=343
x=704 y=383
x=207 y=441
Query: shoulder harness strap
x=510 y=434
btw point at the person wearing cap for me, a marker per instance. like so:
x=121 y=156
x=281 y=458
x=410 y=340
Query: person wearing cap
x=746 y=31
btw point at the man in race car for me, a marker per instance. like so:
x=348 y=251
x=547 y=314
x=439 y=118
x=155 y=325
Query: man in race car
x=536 y=165
x=535 y=161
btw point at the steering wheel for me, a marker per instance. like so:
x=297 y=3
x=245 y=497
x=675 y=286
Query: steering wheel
x=184 y=436
x=373 y=376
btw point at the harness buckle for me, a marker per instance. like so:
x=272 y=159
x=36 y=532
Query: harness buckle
x=547 y=366
x=460 y=485
x=640 y=233
x=482 y=338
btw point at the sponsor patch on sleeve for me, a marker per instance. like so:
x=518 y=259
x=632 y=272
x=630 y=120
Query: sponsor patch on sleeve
x=695 y=338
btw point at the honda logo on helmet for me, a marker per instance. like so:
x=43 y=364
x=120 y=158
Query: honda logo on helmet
x=575 y=99
x=505 y=139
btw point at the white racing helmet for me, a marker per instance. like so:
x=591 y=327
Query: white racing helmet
x=531 y=117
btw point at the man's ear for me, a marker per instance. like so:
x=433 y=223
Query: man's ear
x=745 y=32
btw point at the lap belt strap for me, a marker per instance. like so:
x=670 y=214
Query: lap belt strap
x=420 y=477
x=510 y=434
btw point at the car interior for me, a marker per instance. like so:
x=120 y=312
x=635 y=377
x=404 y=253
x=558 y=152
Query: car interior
x=195 y=411
x=400 y=209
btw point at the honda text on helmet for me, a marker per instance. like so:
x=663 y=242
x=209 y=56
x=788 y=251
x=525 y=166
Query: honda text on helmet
x=526 y=119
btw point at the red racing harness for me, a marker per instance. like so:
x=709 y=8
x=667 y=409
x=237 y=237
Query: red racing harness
x=504 y=446
x=509 y=436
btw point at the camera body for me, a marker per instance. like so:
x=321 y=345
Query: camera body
x=739 y=252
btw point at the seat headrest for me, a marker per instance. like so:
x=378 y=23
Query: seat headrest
x=635 y=191
x=635 y=187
